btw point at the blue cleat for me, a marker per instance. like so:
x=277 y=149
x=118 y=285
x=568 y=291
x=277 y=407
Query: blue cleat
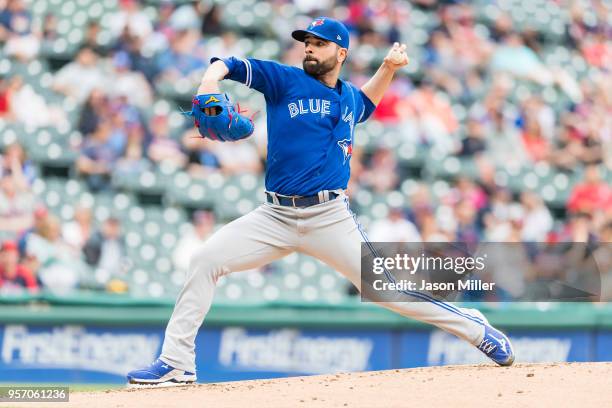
x=160 y=374
x=496 y=346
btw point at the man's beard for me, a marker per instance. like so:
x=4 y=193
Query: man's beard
x=318 y=68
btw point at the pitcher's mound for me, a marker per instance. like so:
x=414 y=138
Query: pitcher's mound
x=558 y=385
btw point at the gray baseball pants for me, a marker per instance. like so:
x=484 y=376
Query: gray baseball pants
x=327 y=231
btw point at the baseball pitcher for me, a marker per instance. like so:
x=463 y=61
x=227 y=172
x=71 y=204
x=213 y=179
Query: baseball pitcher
x=311 y=117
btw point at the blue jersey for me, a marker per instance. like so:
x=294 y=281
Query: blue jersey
x=310 y=125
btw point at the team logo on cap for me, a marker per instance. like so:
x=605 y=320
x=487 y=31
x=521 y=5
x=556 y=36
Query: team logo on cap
x=317 y=22
x=347 y=148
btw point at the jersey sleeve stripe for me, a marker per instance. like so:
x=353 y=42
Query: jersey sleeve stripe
x=249 y=72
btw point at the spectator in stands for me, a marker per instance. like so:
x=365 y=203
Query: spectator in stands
x=498 y=118
x=420 y=205
x=398 y=19
x=577 y=227
x=206 y=156
x=14 y=160
x=585 y=131
x=16 y=31
x=440 y=58
x=23 y=100
x=5 y=97
x=186 y=16
x=133 y=162
x=49 y=28
x=81 y=76
x=597 y=50
x=201 y=156
x=532 y=39
x=467 y=229
x=534 y=142
x=466 y=189
x=163 y=148
x=163 y=32
x=387 y=109
x=431 y=231
x=576 y=29
x=129 y=84
x=459 y=212
x=203 y=224
x=537 y=221
x=486 y=174
x=93 y=110
x=132 y=18
x=162 y=24
x=60 y=268
x=433 y=117
x=13 y=17
x=498 y=211
x=16 y=201
x=237 y=158
x=514 y=57
x=462 y=54
x=227 y=46
x=591 y=195
x=90 y=38
x=78 y=231
x=122 y=114
x=571 y=149
x=14 y=276
x=474 y=141
x=211 y=20
x=581 y=228
x=106 y=251
x=502 y=26
x=359 y=16
x=184 y=57
x=139 y=58
x=40 y=214
x=534 y=108
x=394 y=228
x=98 y=157
x=504 y=227
x=381 y=175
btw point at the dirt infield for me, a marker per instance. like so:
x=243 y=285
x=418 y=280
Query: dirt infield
x=524 y=385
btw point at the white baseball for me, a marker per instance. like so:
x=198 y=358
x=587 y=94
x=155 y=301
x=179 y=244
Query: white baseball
x=397 y=57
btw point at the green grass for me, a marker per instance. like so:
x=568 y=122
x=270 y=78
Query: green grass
x=72 y=387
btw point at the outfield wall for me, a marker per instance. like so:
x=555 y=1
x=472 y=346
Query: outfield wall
x=89 y=340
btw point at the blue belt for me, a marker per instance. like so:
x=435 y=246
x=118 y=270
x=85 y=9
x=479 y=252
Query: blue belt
x=297 y=201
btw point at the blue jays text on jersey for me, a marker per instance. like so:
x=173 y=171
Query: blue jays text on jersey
x=310 y=125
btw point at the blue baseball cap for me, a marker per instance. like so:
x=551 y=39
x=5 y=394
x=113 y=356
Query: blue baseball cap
x=327 y=29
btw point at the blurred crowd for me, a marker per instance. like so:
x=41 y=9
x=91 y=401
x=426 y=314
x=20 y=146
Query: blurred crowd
x=463 y=62
x=44 y=253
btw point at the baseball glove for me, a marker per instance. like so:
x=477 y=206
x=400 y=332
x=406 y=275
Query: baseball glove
x=217 y=119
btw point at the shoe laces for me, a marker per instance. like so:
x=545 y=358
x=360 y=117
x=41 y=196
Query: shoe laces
x=487 y=346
